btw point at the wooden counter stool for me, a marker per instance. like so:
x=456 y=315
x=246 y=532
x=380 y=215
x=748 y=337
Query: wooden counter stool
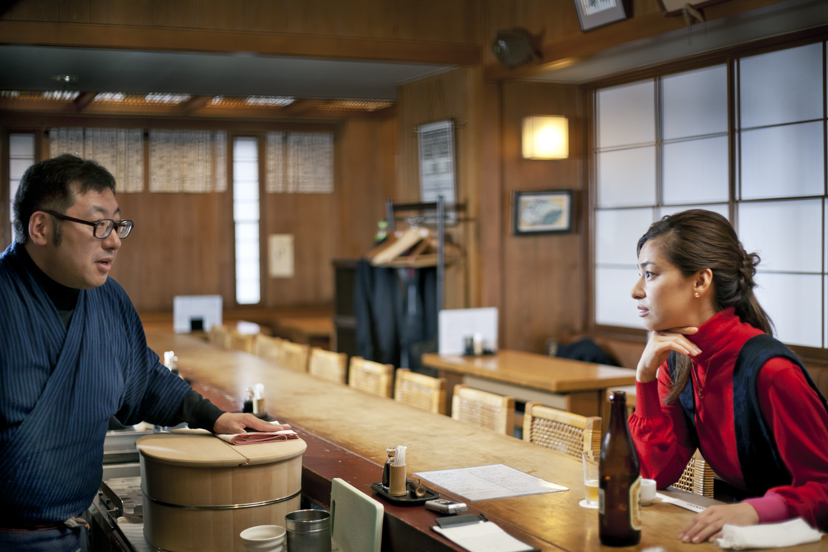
x=420 y=391
x=220 y=336
x=561 y=431
x=328 y=365
x=483 y=409
x=371 y=377
x=293 y=356
x=242 y=342
x=267 y=348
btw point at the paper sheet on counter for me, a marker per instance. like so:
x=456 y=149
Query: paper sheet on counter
x=483 y=536
x=489 y=482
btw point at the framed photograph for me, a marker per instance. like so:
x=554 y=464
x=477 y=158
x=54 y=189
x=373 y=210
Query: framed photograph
x=438 y=176
x=597 y=13
x=546 y=212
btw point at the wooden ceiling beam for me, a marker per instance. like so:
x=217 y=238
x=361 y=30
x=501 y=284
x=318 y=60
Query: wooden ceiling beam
x=84 y=35
x=83 y=100
x=299 y=107
x=194 y=104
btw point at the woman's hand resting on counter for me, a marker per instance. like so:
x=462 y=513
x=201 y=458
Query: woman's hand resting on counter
x=236 y=422
x=658 y=349
x=708 y=525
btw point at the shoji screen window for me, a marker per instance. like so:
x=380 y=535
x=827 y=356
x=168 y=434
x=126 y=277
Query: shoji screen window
x=661 y=147
x=21 y=157
x=781 y=191
x=246 y=218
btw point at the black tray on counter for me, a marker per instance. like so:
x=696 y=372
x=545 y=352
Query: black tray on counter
x=407 y=499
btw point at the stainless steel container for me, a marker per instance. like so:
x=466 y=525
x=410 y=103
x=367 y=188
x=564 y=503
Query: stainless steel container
x=308 y=531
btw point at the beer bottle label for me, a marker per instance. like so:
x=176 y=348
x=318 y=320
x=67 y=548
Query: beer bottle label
x=600 y=501
x=635 y=504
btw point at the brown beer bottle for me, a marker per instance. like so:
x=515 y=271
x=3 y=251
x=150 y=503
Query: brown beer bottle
x=619 y=480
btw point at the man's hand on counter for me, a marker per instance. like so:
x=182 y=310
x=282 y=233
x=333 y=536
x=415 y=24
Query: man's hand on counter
x=236 y=422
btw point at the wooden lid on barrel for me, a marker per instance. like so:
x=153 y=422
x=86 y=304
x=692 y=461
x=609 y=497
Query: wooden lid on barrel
x=200 y=449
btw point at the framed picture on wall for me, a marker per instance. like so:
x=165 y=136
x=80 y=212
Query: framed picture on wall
x=597 y=13
x=544 y=212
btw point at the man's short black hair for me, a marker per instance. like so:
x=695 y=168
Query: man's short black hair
x=48 y=185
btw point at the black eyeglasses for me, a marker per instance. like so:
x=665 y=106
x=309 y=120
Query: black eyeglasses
x=102 y=227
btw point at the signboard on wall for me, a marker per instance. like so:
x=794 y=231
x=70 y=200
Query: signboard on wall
x=438 y=175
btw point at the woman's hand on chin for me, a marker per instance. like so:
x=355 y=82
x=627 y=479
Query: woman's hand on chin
x=658 y=349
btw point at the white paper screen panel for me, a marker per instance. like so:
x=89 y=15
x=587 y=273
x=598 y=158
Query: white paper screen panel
x=246 y=217
x=627 y=177
x=614 y=305
x=720 y=208
x=787 y=235
x=781 y=87
x=793 y=303
x=784 y=161
x=695 y=103
x=696 y=171
x=617 y=232
x=626 y=115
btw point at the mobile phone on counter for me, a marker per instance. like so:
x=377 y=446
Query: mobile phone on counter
x=446 y=506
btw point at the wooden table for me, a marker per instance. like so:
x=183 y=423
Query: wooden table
x=334 y=417
x=570 y=385
x=313 y=330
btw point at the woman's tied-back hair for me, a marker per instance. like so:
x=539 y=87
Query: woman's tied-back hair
x=697 y=239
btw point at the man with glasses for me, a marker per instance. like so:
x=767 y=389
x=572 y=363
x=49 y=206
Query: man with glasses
x=72 y=354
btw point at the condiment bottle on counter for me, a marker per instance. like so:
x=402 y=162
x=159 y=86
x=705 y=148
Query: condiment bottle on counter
x=619 y=480
x=248 y=401
x=170 y=361
x=386 y=469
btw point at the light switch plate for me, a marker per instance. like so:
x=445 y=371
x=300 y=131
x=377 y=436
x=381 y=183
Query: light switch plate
x=280 y=255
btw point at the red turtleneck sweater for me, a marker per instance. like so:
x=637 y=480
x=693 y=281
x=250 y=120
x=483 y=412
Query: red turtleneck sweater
x=790 y=408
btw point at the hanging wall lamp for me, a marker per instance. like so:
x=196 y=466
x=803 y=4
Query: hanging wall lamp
x=545 y=137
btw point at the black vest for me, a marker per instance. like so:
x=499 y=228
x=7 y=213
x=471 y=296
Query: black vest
x=762 y=467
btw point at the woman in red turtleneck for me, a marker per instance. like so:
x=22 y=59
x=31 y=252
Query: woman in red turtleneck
x=695 y=292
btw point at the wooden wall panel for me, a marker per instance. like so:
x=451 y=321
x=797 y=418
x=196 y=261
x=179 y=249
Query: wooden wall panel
x=492 y=224
x=456 y=95
x=445 y=21
x=543 y=276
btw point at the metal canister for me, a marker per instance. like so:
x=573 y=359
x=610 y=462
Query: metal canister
x=308 y=531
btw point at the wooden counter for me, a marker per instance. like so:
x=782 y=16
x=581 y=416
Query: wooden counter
x=364 y=425
x=569 y=385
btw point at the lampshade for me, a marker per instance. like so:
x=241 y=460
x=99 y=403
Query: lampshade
x=545 y=137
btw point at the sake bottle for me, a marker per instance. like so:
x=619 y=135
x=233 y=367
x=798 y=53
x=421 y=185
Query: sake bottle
x=619 y=480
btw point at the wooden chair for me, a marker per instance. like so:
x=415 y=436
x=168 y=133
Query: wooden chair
x=328 y=365
x=561 y=431
x=371 y=377
x=267 y=347
x=420 y=391
x=697 y=477
x=220 y=336
x=483 y=409
x=293 y=356
x=242 y=342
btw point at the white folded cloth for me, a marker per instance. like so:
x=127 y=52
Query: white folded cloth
x=771 y=535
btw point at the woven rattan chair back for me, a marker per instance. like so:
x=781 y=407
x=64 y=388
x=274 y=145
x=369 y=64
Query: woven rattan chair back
x=697 y=477
x=371 y=377
x=293 y=356
x=420 y=391
x=483 y=409
x=242 y=342
x=267 y=347
x=562 y=431
x=328 y=365
x=220 y=336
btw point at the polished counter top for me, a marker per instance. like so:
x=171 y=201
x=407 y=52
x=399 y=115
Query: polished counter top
x=365 y=425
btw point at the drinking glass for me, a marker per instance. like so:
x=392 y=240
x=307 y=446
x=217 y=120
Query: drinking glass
x=590 y=477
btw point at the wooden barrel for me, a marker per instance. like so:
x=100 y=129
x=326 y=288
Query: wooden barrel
x=201 y=492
